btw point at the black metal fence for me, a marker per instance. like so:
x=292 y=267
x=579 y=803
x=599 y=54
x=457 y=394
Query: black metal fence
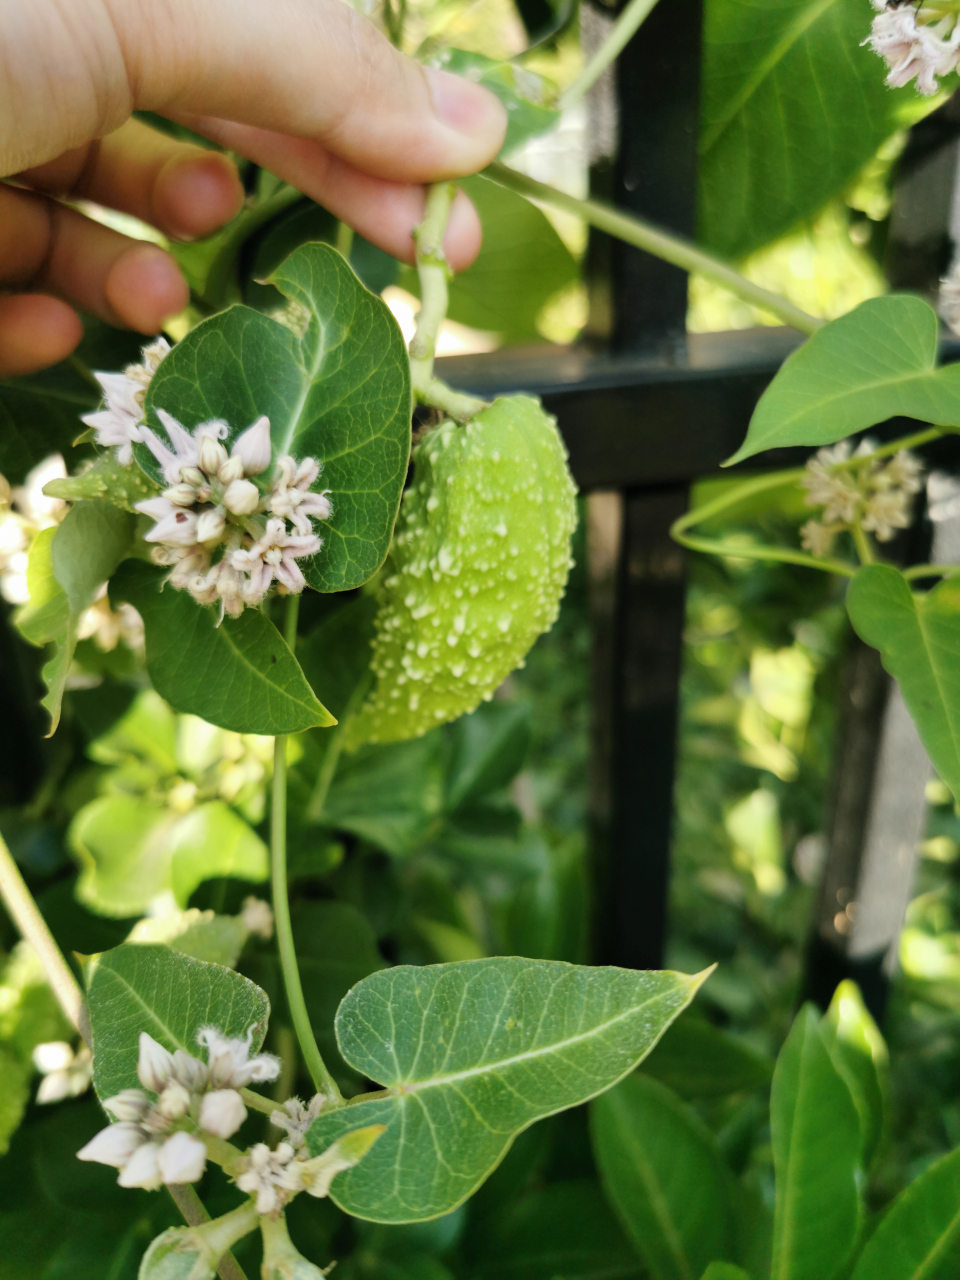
x=646 y=411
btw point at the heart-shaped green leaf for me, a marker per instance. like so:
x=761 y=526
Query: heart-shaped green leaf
x=665 y=1177
x=137 y=987
x=816 y=1154
x=471 y=1053
x=919 y=1237
x=793 y=109
x=335 y=386
x=919 y=640
x=239 y=675
x=876 y=362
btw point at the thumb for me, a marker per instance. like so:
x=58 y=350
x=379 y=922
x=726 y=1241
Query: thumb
x=313 y=69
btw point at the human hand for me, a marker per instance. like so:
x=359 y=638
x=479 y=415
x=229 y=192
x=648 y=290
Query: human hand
x=306 y=88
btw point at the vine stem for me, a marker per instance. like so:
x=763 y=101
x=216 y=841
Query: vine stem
x=619 y=36
x=25 y=914
x=434 y=273
x=322 y=1079
x=744 y=551
x=660 y=243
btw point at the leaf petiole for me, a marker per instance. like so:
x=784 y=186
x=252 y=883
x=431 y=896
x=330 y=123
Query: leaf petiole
x=621 y=33
x=312 y=1058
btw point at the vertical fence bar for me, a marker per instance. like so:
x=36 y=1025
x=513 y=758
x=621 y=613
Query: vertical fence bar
x=638 y=639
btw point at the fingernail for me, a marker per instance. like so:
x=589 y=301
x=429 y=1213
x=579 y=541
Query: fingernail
x=465 y=107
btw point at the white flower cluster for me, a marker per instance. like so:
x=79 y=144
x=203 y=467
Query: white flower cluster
x=155 y=1140
x=878 y=497
x=915 y=41
x=66 y=1072
x=224 y=539
x=118 y=423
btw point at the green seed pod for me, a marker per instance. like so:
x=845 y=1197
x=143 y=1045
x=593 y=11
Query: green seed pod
x=477 y=570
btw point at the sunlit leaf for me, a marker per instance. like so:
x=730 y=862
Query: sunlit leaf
x=858 y=1051
x=472 y=1053
x=876 y=362
x=793 y=109
x=171 y=996
x=918 y=637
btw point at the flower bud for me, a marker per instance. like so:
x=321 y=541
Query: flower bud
x=211 y=524
x=182 y=1158
x=113 y=1145
x=154 y=1064
x=231 y=470
x=191 y=1072
x=242 y=497
x=142 y=1169
x=192 y=475
x=129 y=1105
x=212 y=455
x=181 y=495
x=253 y=447
x=174 y=1101
x=222 y=1113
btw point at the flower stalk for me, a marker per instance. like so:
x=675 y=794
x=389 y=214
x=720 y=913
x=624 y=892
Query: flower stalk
x=621 y=33
x=25 y=914
x=662 y=244
x=434 y=273
x=322 y=1079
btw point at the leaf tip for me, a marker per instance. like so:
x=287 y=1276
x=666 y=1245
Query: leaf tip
x=696 y=980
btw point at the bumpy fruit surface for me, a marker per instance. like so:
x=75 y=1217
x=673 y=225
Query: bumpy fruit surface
x=477 y=570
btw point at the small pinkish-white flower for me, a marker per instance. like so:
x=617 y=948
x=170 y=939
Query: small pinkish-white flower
x=182 y=1158
x=190 y=1071
x=290 y=498
x=271 y=1176
x=275 y=555
x=222 y=1112
x=229 y=1061
x=911 y=49
x=114 y=1145
x=154 y=1064
x=175 y=526
x=117 y=424
x=174 y=1101
x=297 y=1118
x=184 y=448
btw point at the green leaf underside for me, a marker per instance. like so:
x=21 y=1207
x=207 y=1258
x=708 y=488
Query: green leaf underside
x=339 y=393
x=793 y=109
x=919 y=642
x=108 y=480
x=664 y=1176
x=919 y=1237
x=816 y=1150
x=874 y=363
x=139 y=987
x=239 y=675
x=471 y=1053
x=522 y=93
